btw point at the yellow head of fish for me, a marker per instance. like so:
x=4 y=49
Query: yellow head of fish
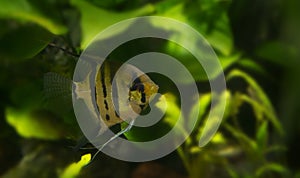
x=140 y=92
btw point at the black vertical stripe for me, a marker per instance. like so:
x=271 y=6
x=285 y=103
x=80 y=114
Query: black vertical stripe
x=103 y=80
x=114 y=88
x=135 y=84
x=141 y=88
x=143 y=98
x=106 y=105
x=107 y=117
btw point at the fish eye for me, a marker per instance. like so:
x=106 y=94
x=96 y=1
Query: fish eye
x=137 y=85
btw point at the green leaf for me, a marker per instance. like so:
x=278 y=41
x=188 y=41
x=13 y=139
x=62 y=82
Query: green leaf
x=192 y=64
x=221 y=37
x=259 y=100
x=24 y=42
x=35 y=124
x=107 y=4
x=73 y=170
x=229 y=103
x=175 y=11
x=32 y=11
x=248 y=143
x=252 y=65
x=213 y=25
x=95 y=19
x=218 y=138
x=202 y=106
x=276 y=148
x=227 y=61
x=278 y=168
x=213 y=120
x=258 y=108
x=278 y=52
x=262 y=136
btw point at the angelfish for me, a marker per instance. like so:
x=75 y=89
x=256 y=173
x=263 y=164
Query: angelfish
x=133 y=91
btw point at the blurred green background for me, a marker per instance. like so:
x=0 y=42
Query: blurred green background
x=256 y=41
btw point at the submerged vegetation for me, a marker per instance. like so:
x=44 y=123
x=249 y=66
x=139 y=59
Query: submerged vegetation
x=257 y=43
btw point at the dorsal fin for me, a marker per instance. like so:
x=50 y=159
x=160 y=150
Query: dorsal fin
x=56 y=85
x=57 y=92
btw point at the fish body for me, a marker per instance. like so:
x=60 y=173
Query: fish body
x=112 y=93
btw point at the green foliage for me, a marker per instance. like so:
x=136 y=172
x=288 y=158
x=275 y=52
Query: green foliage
x=249 y=141
x=34 y=11
x=17 y=44
x=27 y=27
x=258 y=100
x=36 y=124
x=73 y=169
x=95 y=19
x=278 y=52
